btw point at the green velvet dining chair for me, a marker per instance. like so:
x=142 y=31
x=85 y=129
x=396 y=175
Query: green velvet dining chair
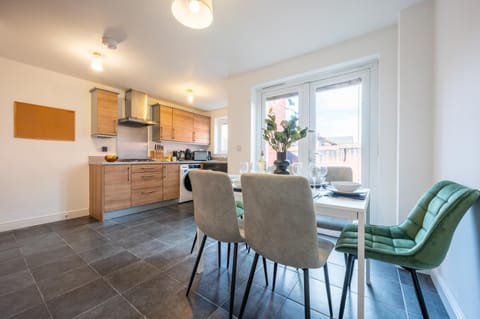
x=420 y=242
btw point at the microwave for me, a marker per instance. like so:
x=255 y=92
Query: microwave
x=201 y=156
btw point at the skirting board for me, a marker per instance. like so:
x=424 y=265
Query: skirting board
x=27 y=222
x=449 y=301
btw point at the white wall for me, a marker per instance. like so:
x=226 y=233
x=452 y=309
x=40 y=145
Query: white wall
x=43 y=180
x=382 y=44
x=457 y=132
x=415 y=99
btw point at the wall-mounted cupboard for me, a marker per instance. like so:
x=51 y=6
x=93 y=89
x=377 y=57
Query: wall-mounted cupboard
x=180 y=126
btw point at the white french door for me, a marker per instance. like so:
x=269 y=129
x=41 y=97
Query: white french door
x=336 y=110
x=339 y=119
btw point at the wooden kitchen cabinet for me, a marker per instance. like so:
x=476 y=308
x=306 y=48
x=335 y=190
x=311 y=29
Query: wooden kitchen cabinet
x=201 y=129
x=104 y=112
x=182 y=126
x=163 y=116
x=109 y=189
x=119 y=186
x=171 y=182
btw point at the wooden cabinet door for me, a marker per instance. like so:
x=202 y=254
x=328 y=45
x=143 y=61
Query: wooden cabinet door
x=117 y=187
x=201 y=129
x=171 y=182
x=182 y=126
x=166 y=124
x=104 y=112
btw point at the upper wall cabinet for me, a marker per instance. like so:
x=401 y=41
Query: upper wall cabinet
x=180 y=126
x=201 y=129
x=104 y=112
x=162 y=115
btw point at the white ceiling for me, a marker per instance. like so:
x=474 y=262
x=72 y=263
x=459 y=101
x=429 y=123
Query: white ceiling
x=160 y=56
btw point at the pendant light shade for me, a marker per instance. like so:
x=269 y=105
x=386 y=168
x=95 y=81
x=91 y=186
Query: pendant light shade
x=195 y=14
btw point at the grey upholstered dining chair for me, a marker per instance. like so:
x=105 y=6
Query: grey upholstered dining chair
x=215 y=214
x=334 y=224
x=280 y=226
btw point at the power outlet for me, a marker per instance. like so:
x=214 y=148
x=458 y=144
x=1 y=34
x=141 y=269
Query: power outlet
x=104 y=149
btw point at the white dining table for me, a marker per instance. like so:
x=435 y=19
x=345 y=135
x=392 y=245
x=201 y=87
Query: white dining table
x=354 y=209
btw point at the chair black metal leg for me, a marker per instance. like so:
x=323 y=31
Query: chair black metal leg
x=249 y=285
x=234 y=277
x=350 y=260
x=306 y=292
x=265 y=270
x=327 y=286
x=197 y=261
x=219 y=254
x=228 y=255
x=194 y=242
x=275 y=266
x=418 y=291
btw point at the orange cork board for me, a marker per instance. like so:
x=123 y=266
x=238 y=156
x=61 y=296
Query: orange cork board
x=43 y=122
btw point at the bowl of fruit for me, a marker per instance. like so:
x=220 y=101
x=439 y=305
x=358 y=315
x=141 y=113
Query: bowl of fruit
x=111 y=158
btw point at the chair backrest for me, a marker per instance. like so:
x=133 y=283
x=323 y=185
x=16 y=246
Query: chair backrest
x=339 y=173
x=432 y=222
x=280 y=219
x=214 y=205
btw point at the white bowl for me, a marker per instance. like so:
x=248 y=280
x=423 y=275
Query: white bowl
x=346 y=187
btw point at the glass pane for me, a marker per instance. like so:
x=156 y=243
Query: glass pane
x=284 y=107
x=338 y=126
x=224 y=138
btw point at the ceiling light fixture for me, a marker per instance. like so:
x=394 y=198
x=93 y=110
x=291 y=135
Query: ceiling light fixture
x=195 y=14
x=109 y=43
x=190 y=96
x=96 y=63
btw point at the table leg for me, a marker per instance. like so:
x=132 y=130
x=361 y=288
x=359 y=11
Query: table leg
x=361 y=267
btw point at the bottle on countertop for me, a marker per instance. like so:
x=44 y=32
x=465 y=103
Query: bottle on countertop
x=261 y=163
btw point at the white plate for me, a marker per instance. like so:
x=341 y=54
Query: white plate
x=359 y=191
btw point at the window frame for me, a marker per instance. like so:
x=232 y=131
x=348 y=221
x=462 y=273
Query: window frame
x=217 y=132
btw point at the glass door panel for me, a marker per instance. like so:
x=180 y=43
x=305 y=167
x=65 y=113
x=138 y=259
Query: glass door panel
x=284 y=106
x=337 y=121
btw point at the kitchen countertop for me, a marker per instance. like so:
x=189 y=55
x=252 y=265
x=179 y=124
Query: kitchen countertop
x=99 y=160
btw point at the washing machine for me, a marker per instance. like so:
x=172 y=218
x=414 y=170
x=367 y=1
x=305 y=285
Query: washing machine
x=185 y=185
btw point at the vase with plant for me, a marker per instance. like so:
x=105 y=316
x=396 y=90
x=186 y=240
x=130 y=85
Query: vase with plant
x=281 y=137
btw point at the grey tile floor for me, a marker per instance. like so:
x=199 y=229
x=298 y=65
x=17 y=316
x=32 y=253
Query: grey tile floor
x=138 y=266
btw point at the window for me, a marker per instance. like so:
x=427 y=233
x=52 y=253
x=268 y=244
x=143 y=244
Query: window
x=221 y=135
x=336 y=110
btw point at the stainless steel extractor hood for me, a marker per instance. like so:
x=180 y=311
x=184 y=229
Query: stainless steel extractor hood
x=137 y=111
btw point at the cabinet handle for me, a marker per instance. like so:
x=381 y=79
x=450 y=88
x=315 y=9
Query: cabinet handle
x=148 y=176
x=128 y=173
x=193 y=136
x=115 y=127
x=161 y=132
x=148 y=168
x=173 y=133
x=149 y=192
x=164 y=172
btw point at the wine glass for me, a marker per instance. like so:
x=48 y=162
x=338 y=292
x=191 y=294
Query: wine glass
x=244 y=167
x=322 y=173
x=314 y=174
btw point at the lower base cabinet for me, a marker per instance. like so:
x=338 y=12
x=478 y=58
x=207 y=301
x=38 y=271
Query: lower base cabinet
x=118 y=186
